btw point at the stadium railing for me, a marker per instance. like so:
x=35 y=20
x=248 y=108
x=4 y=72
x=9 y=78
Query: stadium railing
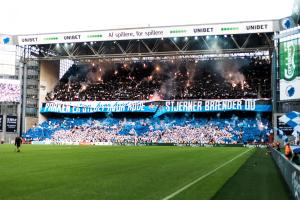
x=289 y=171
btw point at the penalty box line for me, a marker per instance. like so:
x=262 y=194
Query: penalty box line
x=203 y=176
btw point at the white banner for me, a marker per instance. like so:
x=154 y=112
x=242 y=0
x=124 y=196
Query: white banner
x=146 y=33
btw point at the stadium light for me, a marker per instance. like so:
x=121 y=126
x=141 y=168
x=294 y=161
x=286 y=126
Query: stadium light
x=84 y=43
x=186 y=38
x=196 y=37
x=216 y=36
x=162 y=38
x=207 y=37
x=225 y=36
x=175 y=38
x=57 y=45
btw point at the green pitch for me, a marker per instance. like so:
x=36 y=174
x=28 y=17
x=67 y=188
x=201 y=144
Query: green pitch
x=94 y=172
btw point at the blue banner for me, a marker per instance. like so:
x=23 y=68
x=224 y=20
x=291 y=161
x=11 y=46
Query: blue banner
x=158 y=107
x=98 y=106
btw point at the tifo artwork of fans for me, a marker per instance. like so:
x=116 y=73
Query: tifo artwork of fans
x=165 y=80
x=225 y=78
x=170 y=129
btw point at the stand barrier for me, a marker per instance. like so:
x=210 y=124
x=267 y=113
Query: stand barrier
x=289 y=171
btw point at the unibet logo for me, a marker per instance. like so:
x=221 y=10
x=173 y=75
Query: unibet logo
x=290 y=67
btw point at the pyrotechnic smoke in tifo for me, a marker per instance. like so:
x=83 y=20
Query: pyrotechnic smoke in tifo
x=98 y=72
x=191 y=69
x=155 y=97
x=83 y=86
x=259 y=123
x=72 y=79
x=229 y=70
x=169 y=71
x=78 y=72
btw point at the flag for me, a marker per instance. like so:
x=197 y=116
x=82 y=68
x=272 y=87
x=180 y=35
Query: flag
x=280 y=132
x=292 y=119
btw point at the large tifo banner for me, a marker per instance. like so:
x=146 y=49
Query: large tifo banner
x=289 y=69
x=157 y=107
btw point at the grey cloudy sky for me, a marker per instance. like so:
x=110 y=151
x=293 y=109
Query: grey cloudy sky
x=38 y=16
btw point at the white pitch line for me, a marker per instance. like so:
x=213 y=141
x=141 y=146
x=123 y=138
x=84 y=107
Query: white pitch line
x=203 y=176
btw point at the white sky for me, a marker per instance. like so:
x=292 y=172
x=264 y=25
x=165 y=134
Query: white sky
x=41 y=16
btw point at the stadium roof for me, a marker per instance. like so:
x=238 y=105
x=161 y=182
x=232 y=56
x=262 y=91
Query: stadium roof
x=35 y=16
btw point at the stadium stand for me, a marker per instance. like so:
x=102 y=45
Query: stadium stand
x=177 y=130
x=230 y=78
x=222 y=78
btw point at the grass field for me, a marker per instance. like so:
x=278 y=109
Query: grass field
x=93 y=172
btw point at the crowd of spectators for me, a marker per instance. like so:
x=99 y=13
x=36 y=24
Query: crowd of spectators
x=166 y=80
x=230 y=78
x=10 y=92
x=178 y=130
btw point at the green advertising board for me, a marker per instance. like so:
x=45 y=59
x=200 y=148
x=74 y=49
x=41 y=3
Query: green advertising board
x=289 y=69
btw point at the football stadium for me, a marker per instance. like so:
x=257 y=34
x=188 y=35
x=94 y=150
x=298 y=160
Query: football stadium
x=186 y=111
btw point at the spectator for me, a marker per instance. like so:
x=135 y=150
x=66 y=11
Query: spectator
x=178 y=130
x=278 y=146
x=166 y=80
x=295 y=159
x=288 y=151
